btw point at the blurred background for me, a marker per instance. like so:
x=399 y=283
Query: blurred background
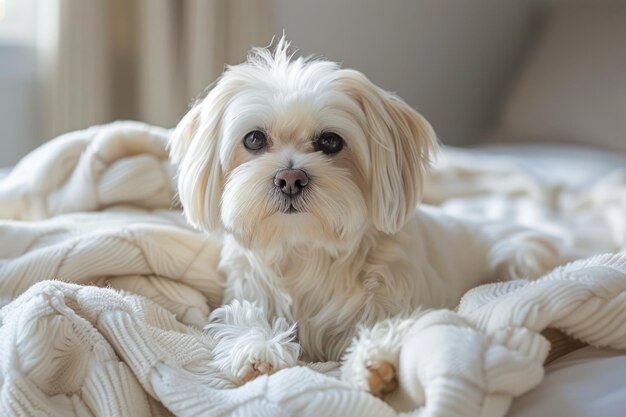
x=478 y=70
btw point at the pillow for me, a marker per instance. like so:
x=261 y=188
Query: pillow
x=573 y=87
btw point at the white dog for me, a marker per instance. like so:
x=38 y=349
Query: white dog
x=313 y=175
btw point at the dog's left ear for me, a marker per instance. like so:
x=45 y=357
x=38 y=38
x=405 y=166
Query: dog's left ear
x=401 y=143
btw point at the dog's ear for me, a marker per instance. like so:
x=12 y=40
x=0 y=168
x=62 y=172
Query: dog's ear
x=194 y=145
x=401 y=143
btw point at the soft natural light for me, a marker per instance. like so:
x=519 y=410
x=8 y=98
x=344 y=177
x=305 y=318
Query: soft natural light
x=18 y=21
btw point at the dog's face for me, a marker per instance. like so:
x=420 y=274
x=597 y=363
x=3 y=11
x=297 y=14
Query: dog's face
x=285 y=151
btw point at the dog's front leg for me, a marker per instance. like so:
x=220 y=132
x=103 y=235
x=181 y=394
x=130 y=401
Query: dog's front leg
x=372 y=360
x=248 y=344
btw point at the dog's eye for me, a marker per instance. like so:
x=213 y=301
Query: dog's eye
x=330 y=143
x=255 y=141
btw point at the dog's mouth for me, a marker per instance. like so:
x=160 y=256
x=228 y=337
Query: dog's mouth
x=289 y=204
x=291 y=209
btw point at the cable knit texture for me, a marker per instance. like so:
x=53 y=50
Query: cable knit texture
x=104 y=289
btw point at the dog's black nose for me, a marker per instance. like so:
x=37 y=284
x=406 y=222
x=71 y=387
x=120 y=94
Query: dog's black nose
x=291 y=181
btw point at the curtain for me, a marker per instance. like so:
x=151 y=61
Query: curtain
x=103 y=60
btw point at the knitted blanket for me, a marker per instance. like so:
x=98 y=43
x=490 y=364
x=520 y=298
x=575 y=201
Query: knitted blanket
x=105 y=289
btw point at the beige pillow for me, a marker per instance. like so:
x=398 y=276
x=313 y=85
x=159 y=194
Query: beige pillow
x=573 y=87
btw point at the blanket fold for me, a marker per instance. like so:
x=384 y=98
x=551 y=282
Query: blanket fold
x=104 y=289
x=492 y=349
x=87 y=170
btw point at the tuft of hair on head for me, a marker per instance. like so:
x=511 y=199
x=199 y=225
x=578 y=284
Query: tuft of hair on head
x=277 y=54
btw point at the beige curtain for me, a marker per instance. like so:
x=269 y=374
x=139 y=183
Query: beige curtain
x=103 y=60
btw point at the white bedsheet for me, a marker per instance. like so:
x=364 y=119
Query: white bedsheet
x=95 y=208
x=572 y=166
x=588 y=382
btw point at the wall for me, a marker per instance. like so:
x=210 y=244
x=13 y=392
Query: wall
x=450 y=59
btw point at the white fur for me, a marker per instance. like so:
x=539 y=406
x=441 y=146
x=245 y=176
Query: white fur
x=358 y=251
x=245 y=337
x=378 y=343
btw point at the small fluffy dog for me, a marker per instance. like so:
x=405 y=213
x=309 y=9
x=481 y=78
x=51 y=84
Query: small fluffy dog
x=312 y=175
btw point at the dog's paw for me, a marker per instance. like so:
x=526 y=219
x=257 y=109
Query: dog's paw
x=252 y=355
x=377 y=374
x=382 y=379
x=371 y=362
x=247 y=345
x=254 y=369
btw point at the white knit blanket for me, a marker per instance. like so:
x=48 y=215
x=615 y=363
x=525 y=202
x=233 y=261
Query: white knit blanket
x=104 y=289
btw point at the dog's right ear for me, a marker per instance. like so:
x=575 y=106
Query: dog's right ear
x=194 y=146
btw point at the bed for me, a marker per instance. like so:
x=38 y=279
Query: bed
x=587 y=381
x=104 y=288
